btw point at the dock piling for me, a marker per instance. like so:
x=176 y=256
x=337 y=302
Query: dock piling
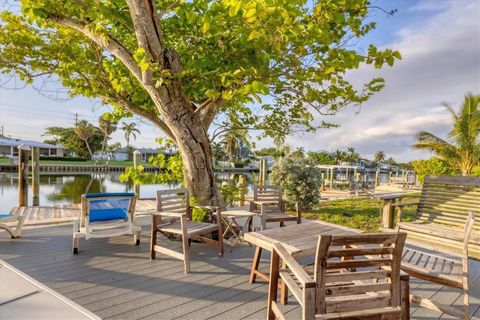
x=23 y=153
x=35 y=176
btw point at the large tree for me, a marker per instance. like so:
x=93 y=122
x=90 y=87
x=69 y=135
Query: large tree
x=461 y=149
x=178 y=64
x=70 y=139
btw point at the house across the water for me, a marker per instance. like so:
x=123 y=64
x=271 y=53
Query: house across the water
x=122 y=154
x=9 y=148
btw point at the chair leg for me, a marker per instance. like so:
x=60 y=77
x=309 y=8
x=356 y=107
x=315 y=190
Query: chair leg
x=153 y=242
x=405 y=296
x=273 y=284
x=186 y=257
x=75 y=245
x=220 y=243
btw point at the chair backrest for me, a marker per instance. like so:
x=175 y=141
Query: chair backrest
x=174 y=200
x=449 y=200
x=358 y=272
x=108 y=206
x=267 y=193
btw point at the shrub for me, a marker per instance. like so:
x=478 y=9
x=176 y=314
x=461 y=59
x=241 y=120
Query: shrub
x=433 y=167
x=299 y=178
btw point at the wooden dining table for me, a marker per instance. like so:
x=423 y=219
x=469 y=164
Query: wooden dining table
x=298 y=239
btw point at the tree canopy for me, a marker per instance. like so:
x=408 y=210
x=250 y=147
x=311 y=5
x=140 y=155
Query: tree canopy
x=232 y=52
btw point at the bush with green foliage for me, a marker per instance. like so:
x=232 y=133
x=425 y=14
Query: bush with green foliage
x=299 y=178
x=433 y=167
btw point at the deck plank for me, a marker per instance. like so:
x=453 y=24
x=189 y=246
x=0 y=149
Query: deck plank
x=115 y=279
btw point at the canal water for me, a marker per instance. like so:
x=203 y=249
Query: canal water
x=68 y=188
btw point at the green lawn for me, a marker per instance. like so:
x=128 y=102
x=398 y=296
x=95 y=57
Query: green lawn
x=359 y=213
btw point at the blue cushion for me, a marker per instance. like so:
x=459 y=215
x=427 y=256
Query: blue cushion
x=106 y=195
x=108 y=209
x=6 y=216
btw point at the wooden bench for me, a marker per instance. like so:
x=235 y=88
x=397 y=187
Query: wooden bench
x=442 y=211
x=448 y=271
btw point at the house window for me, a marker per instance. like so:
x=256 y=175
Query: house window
x=53 y=152
x=5 y=150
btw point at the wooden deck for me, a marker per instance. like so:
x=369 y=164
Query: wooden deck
x=116 y=280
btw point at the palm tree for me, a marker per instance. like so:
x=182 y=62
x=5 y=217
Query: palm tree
x=107 y=127
x=85 y=131
x=379 y=156
x=462 y=146
x=130 y=129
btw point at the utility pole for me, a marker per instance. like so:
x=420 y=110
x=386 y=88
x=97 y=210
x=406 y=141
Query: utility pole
x=76 y=119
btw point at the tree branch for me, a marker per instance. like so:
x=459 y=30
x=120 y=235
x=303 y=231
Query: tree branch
x=208 y=110
x=109 y=43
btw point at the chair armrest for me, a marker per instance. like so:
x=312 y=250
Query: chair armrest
x=169 y=214
x=305 y=280
x=208 y=208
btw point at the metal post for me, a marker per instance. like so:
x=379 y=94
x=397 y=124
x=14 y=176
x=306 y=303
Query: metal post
x=35 y=176
x=323 y=181
x=23 y=153
x=137 y=155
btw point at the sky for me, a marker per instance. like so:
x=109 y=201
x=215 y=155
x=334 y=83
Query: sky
x=439 y=41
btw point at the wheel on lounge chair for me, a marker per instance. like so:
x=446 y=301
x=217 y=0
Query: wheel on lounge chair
x=75 y=250
x=137 y=242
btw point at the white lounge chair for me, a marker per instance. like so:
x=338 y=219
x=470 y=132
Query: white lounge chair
x=15 y=231
x=106 y=215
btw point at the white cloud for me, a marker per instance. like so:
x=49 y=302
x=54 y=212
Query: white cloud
x=441 y=63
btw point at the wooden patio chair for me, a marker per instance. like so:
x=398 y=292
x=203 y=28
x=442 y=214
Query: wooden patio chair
x=174 y=217
x=354 y=277
x=268 y=201
x=106 y=215
x=451 y=272
x=16 y=230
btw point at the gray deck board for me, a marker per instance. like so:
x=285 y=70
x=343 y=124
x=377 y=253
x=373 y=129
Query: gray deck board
x=116 y=280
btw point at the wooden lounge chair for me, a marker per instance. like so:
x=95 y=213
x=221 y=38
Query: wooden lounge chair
x=448 y=271
x=16 y=231
x=354 y=277
x=174 y=217
x=106 y=215
x=442 y=211
x=268 y=201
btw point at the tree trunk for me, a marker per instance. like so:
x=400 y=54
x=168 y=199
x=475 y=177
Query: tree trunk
x=89 y=150
x=194 y=146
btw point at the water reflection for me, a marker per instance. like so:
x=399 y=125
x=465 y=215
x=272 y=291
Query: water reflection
x=68 y=188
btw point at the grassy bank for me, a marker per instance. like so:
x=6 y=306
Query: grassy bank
x=80 y=163
x=359 y=213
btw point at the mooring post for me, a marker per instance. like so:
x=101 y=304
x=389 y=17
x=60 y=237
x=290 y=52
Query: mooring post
x=331 y=179
x=389 y=177
x=377 y=178
x=137 y=159
x=262 y=173
x=23 y=153
x=35 y=176
x=242 y=189
x=323 y=181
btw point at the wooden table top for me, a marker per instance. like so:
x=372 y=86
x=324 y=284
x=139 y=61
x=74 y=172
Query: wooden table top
x=391 y=196
x=298 y=239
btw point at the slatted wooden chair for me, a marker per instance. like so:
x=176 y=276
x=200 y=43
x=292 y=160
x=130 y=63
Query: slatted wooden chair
x=106 y=215
x=354 y=277
x=174 y=218
x=268 y=201
x=448 y=271
x=444 y=205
